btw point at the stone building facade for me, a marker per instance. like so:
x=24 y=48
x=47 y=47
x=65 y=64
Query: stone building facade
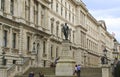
x=32 y=28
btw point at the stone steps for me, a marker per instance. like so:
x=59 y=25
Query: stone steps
x=45 y=70
x=50 y=72
x=45 y=76
x=91 y=72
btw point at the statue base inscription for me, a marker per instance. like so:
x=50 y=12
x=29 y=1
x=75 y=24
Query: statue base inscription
x=65 y=65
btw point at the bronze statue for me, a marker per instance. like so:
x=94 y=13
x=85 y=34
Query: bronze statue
x=65 y=30
x=104 y=60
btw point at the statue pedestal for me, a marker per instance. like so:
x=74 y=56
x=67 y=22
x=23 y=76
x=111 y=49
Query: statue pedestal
x=105 y=70
x=65 y=65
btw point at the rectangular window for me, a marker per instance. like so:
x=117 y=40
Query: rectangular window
x=51 y=52
x=69 y=16
x=57 y=30
x=51 y=4
x=65 y=10
x=27 y=10
x=12 y=7
x=44 y=47
x=14 y=40
x=5 y=38
x=28 y=43
x=35 y=12
x=52 y=27
x=2 y=5
x=14 y=61
x=72 y=15
x=65 y=13
x=56 y=52
x=73 y=36
x=61 y=10
x=73 y=18
x=82 y=16
x=61 y=1
x=56 y=7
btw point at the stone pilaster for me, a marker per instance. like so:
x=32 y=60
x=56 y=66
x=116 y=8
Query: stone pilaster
x=47 y=48
x=10 y=39
x=21 y=40
x=32 y=13
x=1 y=37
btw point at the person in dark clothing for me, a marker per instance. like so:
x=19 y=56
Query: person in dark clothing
x=31 y=74
x=41 y=74
x=78 y=70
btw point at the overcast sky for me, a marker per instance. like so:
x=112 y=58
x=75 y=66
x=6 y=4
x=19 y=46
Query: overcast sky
x=107 y=10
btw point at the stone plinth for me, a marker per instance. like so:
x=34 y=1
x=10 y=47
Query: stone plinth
x=105 y=70
x=65 y=65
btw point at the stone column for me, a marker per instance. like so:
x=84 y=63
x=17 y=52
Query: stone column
x=105 y=70
x=46 y=18
x=1 y=37
x=65 y=65
x=11 y=41
x=21 y=40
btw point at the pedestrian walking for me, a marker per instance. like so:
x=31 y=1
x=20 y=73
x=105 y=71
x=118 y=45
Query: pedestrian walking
x=75 y=70
x=31 y=74
x=78 y=70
